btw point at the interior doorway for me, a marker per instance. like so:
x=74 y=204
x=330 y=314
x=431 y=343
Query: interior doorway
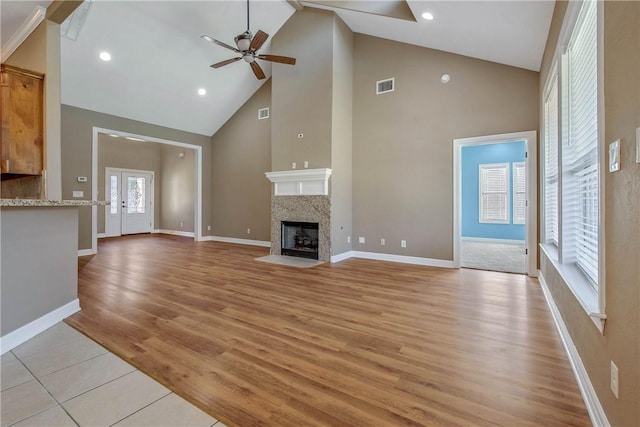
x=132 y=196
x=495 y=216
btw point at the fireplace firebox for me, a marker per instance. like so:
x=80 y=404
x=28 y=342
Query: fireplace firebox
x=300 y=239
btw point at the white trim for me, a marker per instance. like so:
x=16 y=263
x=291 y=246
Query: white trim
x=591 y=401
x=404 y=259
x=85 y=252
x=238 y=241
x=489 y=240
x=342 y=256
x=31 y=329
x=303 y=182
x=94 y=178
x=530 y=138
x=26 y=28
x=102 y=235
x=175 y=232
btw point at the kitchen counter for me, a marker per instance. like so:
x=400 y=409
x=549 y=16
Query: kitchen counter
x=49 y=203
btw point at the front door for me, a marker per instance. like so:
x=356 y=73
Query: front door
x=131 y=196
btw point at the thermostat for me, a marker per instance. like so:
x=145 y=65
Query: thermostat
x=82 y=179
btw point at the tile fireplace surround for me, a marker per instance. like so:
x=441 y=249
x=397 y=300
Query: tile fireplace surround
x=301 y=196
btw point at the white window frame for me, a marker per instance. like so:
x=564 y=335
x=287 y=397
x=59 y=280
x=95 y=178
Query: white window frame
x=552 y=83
x=481 y=213
x=592 y=300
x=514 y=185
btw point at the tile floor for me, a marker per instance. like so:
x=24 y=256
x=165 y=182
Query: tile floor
x=62 y=378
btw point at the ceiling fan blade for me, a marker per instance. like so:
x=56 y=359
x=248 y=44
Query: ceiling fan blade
x=219 y=43
x=278 y=58
x=225 y=62
x=257 y=70
x=258 y=40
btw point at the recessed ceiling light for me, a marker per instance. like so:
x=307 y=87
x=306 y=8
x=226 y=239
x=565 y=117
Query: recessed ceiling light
x=105 y=56
x=428 y=16
x=202 y=91
x=445 y=78
x=134 y=139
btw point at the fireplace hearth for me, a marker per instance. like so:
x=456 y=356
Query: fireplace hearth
x=300 y=239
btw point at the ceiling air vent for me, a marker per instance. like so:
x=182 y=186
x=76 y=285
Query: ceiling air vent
x=384 y=86
x=263 y=113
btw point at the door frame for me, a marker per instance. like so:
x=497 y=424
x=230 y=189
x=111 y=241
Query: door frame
x=531 y=159
x=108 y=170
x=94 y=178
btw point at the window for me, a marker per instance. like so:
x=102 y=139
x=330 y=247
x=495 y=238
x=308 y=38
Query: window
x=519 y=193
x=572 y=171
x=580 y=172
x=551 y=164
x=494 y=193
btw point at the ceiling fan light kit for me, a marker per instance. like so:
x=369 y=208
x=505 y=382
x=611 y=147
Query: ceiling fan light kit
x=248 y=46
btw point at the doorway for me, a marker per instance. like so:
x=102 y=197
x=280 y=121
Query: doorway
x=504 y=192
x=132 y=202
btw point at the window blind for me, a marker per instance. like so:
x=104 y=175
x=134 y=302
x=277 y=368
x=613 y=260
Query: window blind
x=519 y=193
x=494 y=196
x=581 y=164
x=551 y=164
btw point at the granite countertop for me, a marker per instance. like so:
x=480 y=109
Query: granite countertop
x=49 y=203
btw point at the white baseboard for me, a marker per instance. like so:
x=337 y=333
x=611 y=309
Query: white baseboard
x=591 y=401
x=238 y=241
x=488 y=240
x=30 y=330
x=176 y=232
x=342 y=256
x=404 y=259
x=102 y=235
x=85 y=252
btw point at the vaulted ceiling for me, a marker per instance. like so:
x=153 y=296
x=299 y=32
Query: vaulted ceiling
x=159 y=60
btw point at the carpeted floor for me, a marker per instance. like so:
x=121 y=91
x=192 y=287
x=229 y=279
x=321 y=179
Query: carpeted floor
x=505 y=257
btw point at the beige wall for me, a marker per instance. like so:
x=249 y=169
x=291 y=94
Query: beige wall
x=177 y=188
x=241 y=154
x=341 y=138
x=77 y=134
x=403 y=140
x=621 y=339
x=124 y=154
x=302 y=94
x=41 y=52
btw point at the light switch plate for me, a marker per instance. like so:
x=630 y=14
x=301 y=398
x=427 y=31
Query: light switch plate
x=78 y=194
x=614 y=156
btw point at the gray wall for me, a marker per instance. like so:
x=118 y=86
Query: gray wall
x=403 y=140
x=241 y=154
x=39 y=272
x=177 y=183
x=77 y=131
x=302 y=94
x=125 y=154
x=621 y=340
x=341 y=138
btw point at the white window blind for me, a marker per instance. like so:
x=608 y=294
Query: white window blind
x=580 y=153
x=494 y=193
x=519 y=193
x=551 y=164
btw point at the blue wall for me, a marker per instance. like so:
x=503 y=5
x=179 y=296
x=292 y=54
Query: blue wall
x=472 y=157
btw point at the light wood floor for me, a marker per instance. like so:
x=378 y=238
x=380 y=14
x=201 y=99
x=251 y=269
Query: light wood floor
x=357 y=343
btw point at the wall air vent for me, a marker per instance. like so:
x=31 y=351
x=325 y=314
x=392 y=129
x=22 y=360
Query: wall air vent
x=263 y=113
x=384 y=86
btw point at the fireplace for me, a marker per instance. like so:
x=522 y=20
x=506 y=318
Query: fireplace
x=300 y=239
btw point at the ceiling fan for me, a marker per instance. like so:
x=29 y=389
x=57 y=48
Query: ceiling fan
x=247 y=46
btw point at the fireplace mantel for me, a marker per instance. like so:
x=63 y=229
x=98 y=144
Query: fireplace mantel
x=303 y=182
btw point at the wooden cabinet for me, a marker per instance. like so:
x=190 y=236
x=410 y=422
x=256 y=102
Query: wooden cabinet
x=22 y=138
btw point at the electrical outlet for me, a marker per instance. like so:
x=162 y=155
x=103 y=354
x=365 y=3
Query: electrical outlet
x=306 y=164
x=348 y=239
x=382 y=242
x=209 y=227
x=293 y=165
x=78 y=193
x=614 y=379
x=360 y=239
x=403 y=243
x=181 y=224
x=248 y=231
